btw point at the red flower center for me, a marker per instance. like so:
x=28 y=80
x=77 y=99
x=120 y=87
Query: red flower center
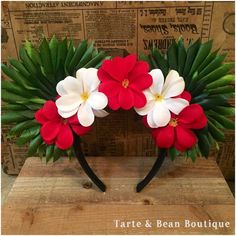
x=63 y=120
x=125 y=83
x=173 y=122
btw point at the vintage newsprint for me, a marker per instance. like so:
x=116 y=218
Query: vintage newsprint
x=119 y=28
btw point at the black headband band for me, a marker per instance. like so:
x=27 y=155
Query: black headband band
x=87 y=169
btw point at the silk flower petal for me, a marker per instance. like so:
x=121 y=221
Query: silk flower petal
x=146 y=109
x=68 y=102
x=97 y=100
x=161 y=114
x=85 y=115
x=174 y=85
x=176 y=105
x=158 y=81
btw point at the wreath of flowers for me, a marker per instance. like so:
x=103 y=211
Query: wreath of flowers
x=56 y=91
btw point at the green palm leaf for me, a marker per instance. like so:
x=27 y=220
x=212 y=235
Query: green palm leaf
x=208 y=80
x=32 y=81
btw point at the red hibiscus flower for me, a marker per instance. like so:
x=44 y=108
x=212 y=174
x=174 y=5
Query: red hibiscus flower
x=56 y=129
x=123 y=81
x=178 y=132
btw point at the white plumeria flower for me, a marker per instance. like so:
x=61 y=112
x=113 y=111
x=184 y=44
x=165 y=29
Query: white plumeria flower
x=160 y=98
x=80 y=95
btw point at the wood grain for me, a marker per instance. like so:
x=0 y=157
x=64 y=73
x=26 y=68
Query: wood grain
x=60 y=199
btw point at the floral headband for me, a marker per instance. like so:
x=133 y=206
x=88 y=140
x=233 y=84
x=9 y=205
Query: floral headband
x=56 y=91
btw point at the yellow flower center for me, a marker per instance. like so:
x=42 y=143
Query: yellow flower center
x=158 y=97
x=125 y=83
x=84 y=96
x=173 y=122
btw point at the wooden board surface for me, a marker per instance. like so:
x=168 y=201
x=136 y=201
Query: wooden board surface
x=60 y=199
